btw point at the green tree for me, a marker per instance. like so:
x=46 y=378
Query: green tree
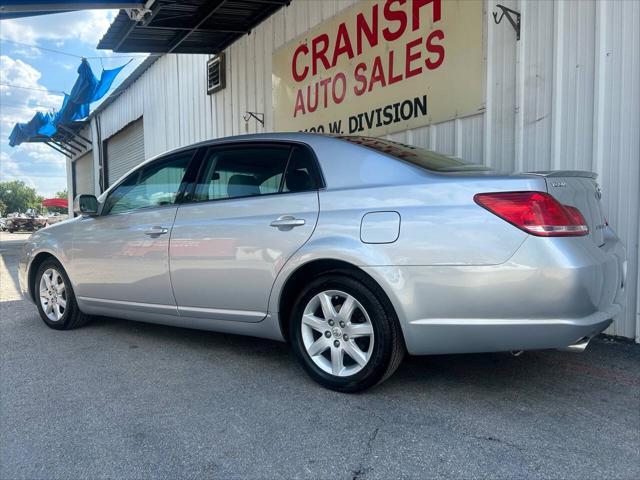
x=18 y=197
x=3 y=208
x=61 y=194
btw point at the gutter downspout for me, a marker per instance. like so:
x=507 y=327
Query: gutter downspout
x=98 y=156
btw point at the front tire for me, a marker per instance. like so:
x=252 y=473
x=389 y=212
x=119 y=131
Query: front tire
x=55 y=298
x=345 y=337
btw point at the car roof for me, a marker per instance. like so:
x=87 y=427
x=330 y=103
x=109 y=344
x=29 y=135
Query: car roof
x=311 y=139
x=302 y=137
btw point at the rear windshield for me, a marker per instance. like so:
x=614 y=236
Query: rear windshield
x=419 y=157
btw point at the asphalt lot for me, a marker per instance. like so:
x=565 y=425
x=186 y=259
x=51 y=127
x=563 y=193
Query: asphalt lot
x=121 y=399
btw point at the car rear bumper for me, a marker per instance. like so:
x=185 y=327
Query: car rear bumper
x=435 y=336
x=552 y=293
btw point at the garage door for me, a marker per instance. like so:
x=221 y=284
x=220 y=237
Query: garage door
x=125 y=150
x=83 y=169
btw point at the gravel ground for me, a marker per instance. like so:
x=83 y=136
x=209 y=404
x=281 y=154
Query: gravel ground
x=120 y=399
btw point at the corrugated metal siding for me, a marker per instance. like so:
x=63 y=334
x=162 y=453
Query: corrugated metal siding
x=595 y=110
x=616 y=139
x=125 y=150
x=564 y=96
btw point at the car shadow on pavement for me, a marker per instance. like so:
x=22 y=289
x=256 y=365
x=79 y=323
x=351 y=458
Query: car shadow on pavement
x=9 y=284
x=536 y=373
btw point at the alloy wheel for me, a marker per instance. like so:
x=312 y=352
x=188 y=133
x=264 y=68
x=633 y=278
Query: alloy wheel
x=337 y=333
x=53 y=294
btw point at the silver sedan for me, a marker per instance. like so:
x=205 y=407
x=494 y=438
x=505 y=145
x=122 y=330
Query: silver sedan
x=354 y=250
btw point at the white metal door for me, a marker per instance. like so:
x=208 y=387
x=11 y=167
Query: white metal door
x=84 y=174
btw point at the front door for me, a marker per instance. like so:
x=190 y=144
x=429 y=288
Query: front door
x=246 y=219
x=120 y=258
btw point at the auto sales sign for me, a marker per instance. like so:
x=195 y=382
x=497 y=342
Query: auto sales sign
x=382 y=66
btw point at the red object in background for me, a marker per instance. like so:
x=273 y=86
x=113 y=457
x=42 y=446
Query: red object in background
x=55 y=202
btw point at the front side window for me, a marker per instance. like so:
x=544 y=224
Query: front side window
x=233 y=172
x=154 y=185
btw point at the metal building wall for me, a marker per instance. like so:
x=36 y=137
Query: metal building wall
x=81 y=156
x=83 y=167
x=566 y=96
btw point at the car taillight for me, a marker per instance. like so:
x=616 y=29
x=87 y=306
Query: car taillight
x=537 y=213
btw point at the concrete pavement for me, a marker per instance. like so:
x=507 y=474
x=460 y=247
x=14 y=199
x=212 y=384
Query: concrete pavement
x=119 y=399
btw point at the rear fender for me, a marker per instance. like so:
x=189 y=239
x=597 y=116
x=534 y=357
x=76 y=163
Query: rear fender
x=347 y=250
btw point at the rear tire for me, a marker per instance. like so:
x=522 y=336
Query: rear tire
x=55 y=299
x=346 y=350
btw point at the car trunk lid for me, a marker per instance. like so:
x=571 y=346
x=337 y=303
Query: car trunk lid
x=578 y=189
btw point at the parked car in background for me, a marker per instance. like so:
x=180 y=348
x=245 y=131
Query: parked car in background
x=354 y=250
x=28 y=222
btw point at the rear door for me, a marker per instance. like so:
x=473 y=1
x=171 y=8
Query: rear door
x=245 y=219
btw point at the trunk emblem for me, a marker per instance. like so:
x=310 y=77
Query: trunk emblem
x=558 y=184
x=598 y=192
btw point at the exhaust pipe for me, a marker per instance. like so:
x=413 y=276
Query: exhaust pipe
x=577 y=347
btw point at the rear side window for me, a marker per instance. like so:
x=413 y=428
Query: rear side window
x=417 y=156
x=242 y=172
x=301 y=173
x=246 y=171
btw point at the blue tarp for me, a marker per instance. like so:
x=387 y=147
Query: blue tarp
x=22 y=132
x=75 y=105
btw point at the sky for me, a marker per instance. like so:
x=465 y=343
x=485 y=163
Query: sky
x=45 y=75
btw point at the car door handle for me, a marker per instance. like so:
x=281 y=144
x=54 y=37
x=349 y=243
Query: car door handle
x=287 y=222
x=156 y=231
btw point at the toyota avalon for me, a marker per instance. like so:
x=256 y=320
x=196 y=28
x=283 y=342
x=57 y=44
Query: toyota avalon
x=354 y=250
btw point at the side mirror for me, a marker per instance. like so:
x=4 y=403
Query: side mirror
x=86 y=205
